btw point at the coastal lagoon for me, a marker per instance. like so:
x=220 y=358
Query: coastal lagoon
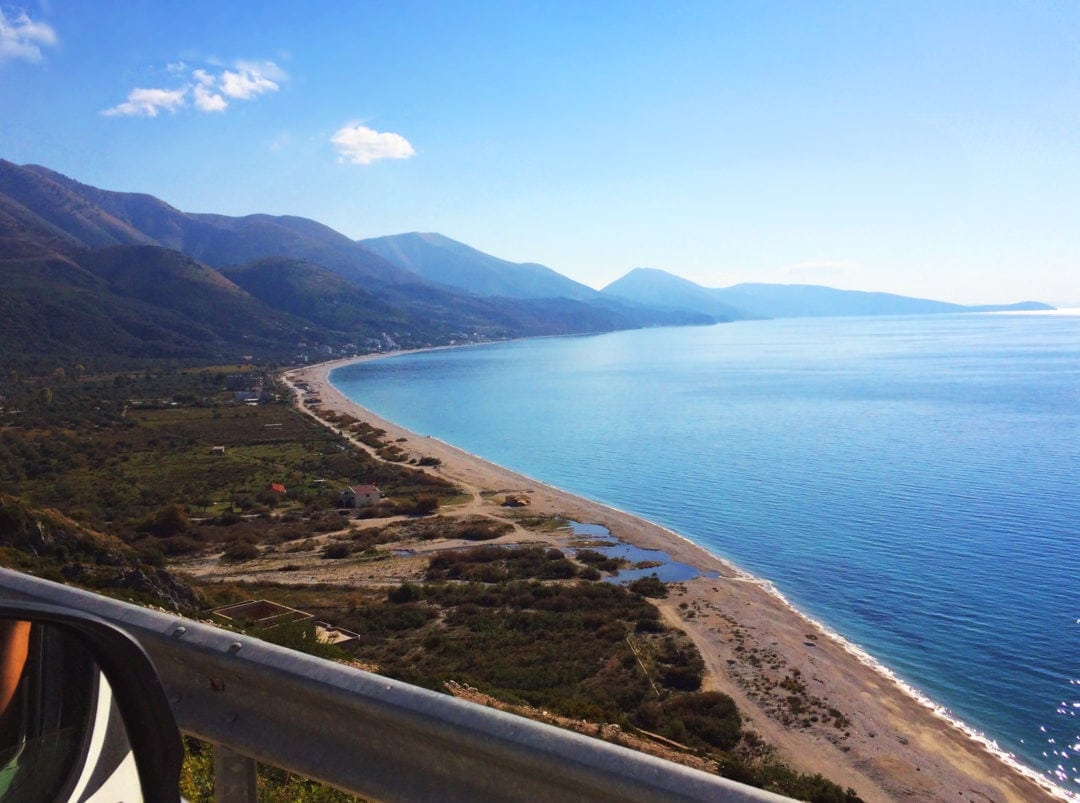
x=911 y=482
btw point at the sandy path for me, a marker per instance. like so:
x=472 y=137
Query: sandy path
x=890 y=746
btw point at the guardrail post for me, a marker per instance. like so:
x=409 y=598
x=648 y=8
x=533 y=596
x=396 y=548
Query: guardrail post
x=234 y=776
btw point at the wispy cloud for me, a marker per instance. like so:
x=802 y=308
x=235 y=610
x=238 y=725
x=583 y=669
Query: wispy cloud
x=210 y=90
x=361 y=145
x=250 y=80
x=282 y=141
x=148 y=103
x=204 y=96
x=23 y=38
x=206 y=100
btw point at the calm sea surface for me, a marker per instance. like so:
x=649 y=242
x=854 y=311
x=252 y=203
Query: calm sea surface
x=912 y=482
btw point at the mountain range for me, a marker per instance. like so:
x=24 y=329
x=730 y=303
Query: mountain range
x=109 y=278
x=752 y=300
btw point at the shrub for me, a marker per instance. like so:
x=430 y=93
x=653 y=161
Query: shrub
x=241 y=550
x=647 y=625
x=557 y=569
x=702 y=719
x=406 y=592
x=179 y=545
x=481 y=530
x=599 y=560
x=169 y=520
x=152 y=554
x=683 y=678
x=650 y=586
x=336 y=551
x=422 y=506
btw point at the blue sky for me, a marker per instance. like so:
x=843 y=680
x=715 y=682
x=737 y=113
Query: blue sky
x=924 y=148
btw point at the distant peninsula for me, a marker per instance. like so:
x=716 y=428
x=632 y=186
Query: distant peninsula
x=783 y=300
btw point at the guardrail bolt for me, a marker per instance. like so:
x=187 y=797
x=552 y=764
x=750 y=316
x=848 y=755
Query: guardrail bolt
x=235 y=647
x=181 y=630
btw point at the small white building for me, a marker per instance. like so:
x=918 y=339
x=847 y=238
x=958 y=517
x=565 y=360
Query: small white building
x=360 y=496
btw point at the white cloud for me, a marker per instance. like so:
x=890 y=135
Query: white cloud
x=208 y=101
x=248 y=81
x=22 y=38
x=211 y=91
x=148 y=103
x=362 y=145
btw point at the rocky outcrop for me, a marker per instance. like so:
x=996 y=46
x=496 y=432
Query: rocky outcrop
x=48 y=544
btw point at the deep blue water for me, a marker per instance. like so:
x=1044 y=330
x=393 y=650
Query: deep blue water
x=913 y=482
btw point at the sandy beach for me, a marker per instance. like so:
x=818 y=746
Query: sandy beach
x=886 y=744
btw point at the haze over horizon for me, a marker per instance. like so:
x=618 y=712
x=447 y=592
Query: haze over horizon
x=921 y=150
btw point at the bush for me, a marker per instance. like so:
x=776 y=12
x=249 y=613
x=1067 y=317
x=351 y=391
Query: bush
x=557 y=569
x=406 y=592
x=422 y=506
x=241 y=550
x=650 y=586
x=180 y=545
x=336 y=551
x=600 y=561
x=647 y=625
x=152 y=554
x=703 y=719
x=481 y=530
x=169 y=520
x=380 y=509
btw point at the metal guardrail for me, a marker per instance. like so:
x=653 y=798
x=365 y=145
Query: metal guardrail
x=366 y=734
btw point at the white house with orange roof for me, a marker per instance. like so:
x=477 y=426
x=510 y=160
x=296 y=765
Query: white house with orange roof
x=360 y=496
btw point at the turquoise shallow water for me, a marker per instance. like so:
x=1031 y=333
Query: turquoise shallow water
x=912 y=482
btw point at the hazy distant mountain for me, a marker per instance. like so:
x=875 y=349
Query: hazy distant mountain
x=663 y=289
x=440 y=259
x=100 y=277
x=103 y=277
x=806 y=301
x=782 y=300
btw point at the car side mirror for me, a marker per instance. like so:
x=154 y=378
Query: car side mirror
x=83 y=715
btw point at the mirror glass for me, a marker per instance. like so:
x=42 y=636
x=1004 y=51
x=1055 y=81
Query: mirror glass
x=61 y=734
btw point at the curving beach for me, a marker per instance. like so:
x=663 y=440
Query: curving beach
x=893 y=744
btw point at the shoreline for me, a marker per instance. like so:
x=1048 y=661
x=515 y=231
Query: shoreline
x=902 y=744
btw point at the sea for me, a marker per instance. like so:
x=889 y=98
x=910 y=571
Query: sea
x=913 y=483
